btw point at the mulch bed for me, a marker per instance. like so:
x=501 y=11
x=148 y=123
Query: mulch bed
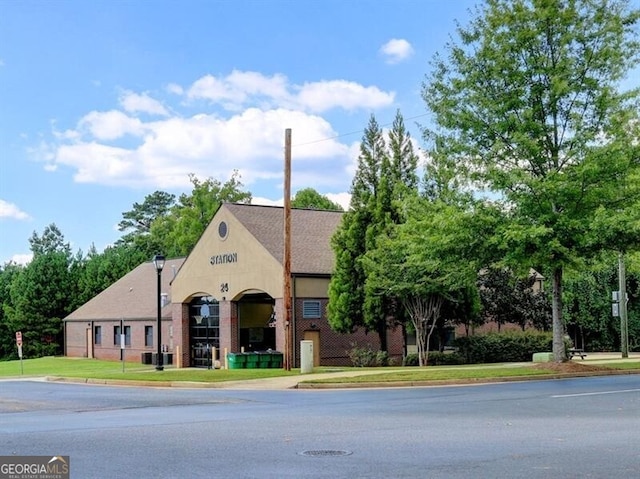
x=570 y=367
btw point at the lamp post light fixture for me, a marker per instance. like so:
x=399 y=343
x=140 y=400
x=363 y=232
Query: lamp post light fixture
x=158 y=261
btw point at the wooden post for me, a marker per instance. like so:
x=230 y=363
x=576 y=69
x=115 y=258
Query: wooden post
x=286 y=290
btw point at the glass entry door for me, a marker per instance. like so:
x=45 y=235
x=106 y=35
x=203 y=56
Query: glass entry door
x=204 y=331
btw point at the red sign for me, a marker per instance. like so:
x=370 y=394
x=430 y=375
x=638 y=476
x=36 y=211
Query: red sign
x=19 y=338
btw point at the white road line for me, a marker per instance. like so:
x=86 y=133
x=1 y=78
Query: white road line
x=596 y=394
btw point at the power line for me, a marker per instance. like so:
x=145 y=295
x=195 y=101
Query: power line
x=312 y=142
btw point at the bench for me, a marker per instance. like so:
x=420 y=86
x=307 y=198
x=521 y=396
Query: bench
x=577 y=352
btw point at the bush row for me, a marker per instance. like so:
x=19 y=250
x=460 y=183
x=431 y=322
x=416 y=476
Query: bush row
x=486 y=348
x=503 y=347
x=436 y=358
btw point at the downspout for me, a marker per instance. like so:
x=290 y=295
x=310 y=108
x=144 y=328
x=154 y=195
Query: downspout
x=293 y=320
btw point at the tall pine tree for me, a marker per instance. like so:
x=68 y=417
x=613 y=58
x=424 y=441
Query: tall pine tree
x=384 y=176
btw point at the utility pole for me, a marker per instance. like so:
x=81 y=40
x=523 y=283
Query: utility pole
x=622 y=291
x=286 y=290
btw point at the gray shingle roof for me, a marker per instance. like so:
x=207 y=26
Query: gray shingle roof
x=134 y=296
x=311 y=232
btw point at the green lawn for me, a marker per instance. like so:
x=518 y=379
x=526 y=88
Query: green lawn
x=97 y=369
x=439 y=374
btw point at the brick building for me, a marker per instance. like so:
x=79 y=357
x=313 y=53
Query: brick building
x=228 y=295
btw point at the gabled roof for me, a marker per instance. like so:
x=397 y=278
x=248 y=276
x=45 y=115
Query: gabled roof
x=134 y=296
x=311 y=232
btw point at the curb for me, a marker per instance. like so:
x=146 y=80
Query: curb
x=344 y=385
x=463 y=382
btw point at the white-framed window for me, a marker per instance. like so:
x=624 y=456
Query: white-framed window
x=311 y=309
x=148 y=336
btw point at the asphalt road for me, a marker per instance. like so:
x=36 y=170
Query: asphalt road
x=572 y=428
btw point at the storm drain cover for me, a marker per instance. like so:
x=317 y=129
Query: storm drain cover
x=325 y=453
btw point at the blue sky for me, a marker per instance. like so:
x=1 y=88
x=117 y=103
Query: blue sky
x=105 y=102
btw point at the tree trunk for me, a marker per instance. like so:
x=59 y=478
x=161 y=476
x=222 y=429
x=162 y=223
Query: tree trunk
x=382 y=335
x=559 y=354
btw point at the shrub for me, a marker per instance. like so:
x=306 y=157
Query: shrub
x=367 y=357
x=410 y=359
x=436 y=358
x=503 y=347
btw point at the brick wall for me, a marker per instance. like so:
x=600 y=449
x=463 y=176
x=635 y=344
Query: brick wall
x=335 y=347
x=76 y=339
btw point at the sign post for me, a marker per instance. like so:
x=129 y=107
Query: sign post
x=19 y=344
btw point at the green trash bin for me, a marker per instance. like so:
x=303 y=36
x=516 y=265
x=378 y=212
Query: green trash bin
x=237 y=360
x=276 y=359
x=252 y=360
x=264 y=359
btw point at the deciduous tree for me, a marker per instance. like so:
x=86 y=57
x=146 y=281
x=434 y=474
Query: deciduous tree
x=526 y=102
x=311 y=199
x=423 y=263
x=178 y=231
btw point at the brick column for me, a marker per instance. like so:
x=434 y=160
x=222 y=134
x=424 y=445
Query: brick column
x=180 y=320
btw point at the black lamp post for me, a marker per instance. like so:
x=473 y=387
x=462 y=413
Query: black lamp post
x=158 y=261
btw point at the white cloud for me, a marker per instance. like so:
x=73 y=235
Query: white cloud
x=323 y=96
x=343 y=199
x=9 y=210
x=257 y=200
x=97 y=163
x=134 y=102
x=175 y=89
x=236 y=89
x=205 y=145
x=110 y=125
x=240 y=89
x=22 y=259
x=240 y=127
x=396 y=50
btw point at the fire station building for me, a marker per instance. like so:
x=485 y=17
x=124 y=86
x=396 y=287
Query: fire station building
x=228 y=295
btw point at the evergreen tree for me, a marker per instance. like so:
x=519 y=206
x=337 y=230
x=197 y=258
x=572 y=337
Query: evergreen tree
x=7 y=332
x=42 y=293
x=384 y=176
x=139 y=219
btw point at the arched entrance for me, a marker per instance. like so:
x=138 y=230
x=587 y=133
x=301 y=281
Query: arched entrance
x=255 y=321
x=204 y=331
